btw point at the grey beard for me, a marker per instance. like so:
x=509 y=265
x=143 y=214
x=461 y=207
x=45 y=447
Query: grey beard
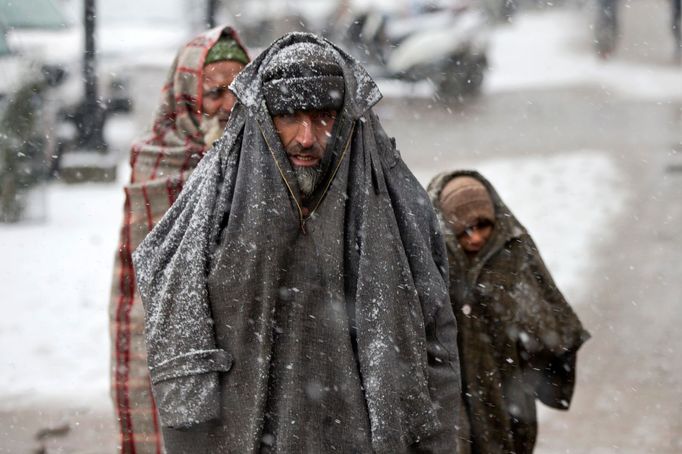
x=308 y=178
x=212 y=130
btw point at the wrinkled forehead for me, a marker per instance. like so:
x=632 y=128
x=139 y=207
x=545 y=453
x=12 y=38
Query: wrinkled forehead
x=221 y=72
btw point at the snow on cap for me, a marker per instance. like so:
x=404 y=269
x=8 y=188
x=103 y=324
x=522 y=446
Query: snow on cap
x=303 y=76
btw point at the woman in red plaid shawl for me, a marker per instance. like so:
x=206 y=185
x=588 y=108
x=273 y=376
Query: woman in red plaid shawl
x=195 y=105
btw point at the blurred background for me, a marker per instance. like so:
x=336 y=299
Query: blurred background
x=572 y=108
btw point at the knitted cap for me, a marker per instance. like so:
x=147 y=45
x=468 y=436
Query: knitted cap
x=226 y=48
x=303 y=76
x=464 y=201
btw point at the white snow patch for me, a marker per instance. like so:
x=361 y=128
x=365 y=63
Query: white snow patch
x=542 y=49
x=392 y=88
x=56 y=279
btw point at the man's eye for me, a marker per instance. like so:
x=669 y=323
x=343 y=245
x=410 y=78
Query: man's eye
x=215 y=93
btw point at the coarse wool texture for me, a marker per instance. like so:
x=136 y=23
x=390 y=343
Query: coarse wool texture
x=276 y=324
x=160 y=164
x=518 y=337
x=303 y=77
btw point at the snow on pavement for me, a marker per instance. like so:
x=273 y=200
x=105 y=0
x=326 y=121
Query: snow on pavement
x=56 y=277
x=542 y=49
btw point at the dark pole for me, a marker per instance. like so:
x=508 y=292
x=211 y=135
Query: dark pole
x=91 y=116
x=211 y=7
x=89 y=74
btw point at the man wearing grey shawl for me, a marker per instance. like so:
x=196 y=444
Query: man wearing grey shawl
x=295 y=293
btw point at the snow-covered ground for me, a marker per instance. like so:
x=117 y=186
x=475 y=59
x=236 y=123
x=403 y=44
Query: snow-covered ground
x=56 y=275
x=542 y=50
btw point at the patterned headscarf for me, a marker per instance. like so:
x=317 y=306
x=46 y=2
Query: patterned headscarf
x=161 y=162
x=176 y=141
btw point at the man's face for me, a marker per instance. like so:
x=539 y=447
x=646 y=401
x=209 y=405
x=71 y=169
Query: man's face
x=217 y=100
x=475 y=236
x=304 y=136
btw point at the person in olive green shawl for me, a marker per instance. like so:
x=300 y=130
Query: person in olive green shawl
x=518 y=337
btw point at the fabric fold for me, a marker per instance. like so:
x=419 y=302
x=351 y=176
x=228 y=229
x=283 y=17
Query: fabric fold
x=192 y=363
x=184 y=402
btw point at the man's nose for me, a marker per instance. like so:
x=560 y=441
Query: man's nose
x=475 y=237
x=304 y=134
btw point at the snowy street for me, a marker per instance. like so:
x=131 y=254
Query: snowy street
x=588 y=155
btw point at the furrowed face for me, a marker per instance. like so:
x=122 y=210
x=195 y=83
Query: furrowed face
x=218 y=100
x=304 y=136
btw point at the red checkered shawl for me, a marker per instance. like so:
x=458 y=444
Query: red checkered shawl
x=161 y=162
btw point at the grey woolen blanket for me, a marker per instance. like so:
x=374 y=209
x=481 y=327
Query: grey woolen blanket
x=219 y=280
